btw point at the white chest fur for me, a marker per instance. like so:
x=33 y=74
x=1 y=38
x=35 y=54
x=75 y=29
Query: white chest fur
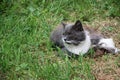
x=80 y=49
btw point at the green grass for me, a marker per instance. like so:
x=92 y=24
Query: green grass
x=25 y=49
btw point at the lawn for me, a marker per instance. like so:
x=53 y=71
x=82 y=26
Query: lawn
x=25 y=48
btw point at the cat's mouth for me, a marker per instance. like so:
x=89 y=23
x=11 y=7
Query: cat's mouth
x=72 y=42
x=68 y=42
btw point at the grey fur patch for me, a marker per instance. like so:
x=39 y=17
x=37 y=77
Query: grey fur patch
x=56 y=36
x=95 y=38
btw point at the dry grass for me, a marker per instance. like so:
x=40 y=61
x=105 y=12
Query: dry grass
x=106 y=69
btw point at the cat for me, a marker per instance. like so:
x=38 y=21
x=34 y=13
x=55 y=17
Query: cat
x=78 y=40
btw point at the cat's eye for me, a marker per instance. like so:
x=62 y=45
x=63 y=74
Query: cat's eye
x=68 y=33
x=63 y=33
x=75 y=38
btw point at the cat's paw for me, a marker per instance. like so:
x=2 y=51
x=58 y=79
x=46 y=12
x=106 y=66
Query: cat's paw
x=117 y=50
x=102 y=45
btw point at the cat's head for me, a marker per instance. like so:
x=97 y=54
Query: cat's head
x=73 y=33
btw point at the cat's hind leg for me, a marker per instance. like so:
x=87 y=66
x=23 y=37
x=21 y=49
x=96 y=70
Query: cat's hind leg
x=108 y=45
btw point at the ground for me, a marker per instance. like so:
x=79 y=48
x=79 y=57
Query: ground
x=25 y=48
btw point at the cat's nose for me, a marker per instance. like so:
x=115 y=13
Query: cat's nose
x=65 y=39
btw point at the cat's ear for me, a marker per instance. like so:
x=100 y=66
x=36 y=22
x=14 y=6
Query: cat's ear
x=78 y=26
x=63 y=24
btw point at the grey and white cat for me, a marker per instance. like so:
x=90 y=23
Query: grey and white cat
x=78 y=40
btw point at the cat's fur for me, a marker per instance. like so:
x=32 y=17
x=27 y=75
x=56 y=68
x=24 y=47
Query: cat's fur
x=78 y=40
